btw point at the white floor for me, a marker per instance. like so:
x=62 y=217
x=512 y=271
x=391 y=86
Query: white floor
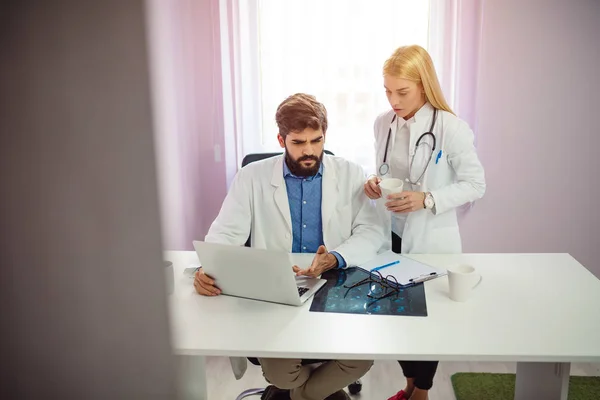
x=384 y=379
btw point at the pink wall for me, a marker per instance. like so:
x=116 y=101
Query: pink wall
x=538 y=135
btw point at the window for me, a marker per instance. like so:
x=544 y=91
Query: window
x=333 y=49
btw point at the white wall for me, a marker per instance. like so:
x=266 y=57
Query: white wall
x=83 y=310
x=538 y=130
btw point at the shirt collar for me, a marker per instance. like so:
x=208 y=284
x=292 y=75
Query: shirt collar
x=425 y=111
x=287 y=172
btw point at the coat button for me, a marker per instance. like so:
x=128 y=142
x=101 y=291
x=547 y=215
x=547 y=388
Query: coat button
x=287 y=235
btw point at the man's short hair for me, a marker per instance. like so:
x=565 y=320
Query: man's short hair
x=300 y=111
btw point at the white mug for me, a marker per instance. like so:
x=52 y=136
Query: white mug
x=390 y=185
x=462 y=279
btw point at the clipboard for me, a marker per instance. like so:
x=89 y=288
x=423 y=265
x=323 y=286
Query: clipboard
x=406 y=270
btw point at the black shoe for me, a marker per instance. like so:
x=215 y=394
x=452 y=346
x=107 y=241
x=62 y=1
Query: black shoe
x=339 y=395
x=355 y=388
x=274 y=393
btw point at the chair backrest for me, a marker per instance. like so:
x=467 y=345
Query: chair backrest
x=252 y=157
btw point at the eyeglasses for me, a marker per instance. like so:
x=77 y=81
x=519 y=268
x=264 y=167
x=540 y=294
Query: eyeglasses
x=379 y=287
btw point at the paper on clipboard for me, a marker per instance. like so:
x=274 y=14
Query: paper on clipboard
x=404 y=271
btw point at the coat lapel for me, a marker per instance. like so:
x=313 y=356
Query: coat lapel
x=280 y=195
x=329 y=191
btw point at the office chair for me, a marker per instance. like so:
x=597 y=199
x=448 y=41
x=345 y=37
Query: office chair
x=353 y=388
x=253 y=157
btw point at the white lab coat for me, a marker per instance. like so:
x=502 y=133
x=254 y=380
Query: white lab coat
x=457 y=179
x=257 y=204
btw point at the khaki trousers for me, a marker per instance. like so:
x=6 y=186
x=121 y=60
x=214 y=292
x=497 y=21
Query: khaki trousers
x=307 y=383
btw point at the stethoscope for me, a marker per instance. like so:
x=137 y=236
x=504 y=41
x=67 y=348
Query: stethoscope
x=385 y=167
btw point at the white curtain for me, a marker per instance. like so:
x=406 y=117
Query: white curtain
x=454 y=45
x=241 y=80
x=335 y=49
x=185 y=54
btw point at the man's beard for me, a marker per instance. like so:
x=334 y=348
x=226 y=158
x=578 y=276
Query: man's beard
x=297 y=169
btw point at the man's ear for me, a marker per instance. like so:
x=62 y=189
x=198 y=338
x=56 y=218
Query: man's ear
x=281 y=141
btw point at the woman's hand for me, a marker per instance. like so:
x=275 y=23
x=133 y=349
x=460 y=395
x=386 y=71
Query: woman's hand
x=372 y=189
x=405 y=202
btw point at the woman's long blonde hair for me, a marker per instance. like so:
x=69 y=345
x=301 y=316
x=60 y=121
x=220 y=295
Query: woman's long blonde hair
x=414 y=63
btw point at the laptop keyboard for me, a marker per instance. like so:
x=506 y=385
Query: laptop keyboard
x=302 y=290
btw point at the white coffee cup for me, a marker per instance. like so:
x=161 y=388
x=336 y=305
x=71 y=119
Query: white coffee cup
x=169 y=276
x=462 y=279
x=390 y=185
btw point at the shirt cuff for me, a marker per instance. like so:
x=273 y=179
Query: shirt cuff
x=340 y=259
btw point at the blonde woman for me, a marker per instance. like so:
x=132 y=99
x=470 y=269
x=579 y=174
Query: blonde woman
x=424 y=144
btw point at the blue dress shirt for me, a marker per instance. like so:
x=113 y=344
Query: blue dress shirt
x=304 y=197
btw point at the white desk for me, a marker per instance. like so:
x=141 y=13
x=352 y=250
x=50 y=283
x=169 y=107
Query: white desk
x=540 y=310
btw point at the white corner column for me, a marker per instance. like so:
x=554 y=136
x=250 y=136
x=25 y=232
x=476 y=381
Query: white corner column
x=191 y=377
x=549 y=381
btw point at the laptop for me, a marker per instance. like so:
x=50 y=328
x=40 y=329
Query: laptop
x=258 y=274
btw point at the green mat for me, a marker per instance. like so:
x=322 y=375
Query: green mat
x=477 y=386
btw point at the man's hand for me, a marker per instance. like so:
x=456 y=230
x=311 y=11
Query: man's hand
x=322 y=262
x=372 y=189
x=204 y=284
x=405 y=202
